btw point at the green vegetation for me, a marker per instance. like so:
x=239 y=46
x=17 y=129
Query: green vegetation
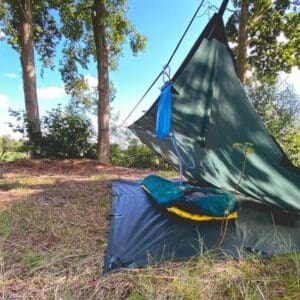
x=136 y=156
x=279 y=108
x=270 y=32
x=67 y=133
x=11 y=150
x=4 y=223
x=95 y=29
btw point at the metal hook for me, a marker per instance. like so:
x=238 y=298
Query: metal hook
x=167 y=73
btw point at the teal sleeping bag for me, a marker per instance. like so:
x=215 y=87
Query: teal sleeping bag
x=194 y=199
x=164 y=192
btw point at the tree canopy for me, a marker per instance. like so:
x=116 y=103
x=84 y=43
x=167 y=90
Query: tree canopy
x=79 y=45
x=273 y=36
x=29 y=26
x=279 y=108
x=46 y=33
x=96 y=29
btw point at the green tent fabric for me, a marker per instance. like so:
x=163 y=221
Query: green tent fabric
x=210 y=113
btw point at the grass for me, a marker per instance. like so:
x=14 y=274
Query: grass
x=169 y=174
x=209 y=278
x=10 y=156
x=54 y=222
x=4 y=223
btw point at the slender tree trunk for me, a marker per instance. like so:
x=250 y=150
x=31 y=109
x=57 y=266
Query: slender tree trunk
x=103 y=81
x=242 y=41
x=28 y=69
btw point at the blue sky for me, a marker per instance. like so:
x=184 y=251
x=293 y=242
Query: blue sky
x=162 y=21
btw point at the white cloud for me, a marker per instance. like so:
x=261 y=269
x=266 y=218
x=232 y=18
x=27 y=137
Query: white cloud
x=92 y=81
x=3 y=102
x=51 y=92
x=11 y=75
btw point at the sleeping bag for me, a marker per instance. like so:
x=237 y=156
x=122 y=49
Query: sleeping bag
x=188 y=201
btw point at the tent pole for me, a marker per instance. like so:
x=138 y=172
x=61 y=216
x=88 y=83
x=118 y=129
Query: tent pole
x=223 y=7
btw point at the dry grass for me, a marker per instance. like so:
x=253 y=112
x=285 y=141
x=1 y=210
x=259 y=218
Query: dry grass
x=209 y=278
x=54 y=219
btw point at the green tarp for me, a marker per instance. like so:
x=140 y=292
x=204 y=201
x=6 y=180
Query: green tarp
x=141 y=233
x=210 y=113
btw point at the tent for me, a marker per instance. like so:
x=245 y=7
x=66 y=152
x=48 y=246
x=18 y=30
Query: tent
x=210 y=114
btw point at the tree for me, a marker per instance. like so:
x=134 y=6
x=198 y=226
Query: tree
x=242 y=41
x=98 y=29
x=279 y=108
x=267 y=37
x=28 y=25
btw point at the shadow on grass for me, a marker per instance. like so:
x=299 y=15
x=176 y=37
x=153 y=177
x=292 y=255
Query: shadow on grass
x=4 y=186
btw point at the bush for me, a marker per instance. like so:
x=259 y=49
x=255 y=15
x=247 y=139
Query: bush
x=117 y=155
x=136 y=156
x=66 y=135
x=11 y=149
x=291 y=144
x=140 y=156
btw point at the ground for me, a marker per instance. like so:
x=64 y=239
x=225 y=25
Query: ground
x=54 y=222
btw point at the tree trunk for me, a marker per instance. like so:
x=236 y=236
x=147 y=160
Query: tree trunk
x=103 y=80
x=28 y=69
x=242 y=41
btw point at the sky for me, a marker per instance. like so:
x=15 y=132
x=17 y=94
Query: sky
x=161 y=21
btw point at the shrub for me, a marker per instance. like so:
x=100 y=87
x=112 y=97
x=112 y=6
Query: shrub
x=137 y=156
x=66 y=135
x=140 y=156
x=117 y=155
x=11 y=149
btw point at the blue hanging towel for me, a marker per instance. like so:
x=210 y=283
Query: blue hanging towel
x=164 y=112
